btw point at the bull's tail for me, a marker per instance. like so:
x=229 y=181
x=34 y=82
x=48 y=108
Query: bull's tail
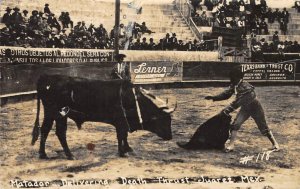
x=36 y=127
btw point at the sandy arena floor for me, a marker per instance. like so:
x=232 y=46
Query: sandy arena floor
x=152 y=157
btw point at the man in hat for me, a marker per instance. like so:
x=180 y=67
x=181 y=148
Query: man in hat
x=77 y=27
x=173 y=43
x=167 y=41
x=181 y=46
x=144 y=44
x=6 y=19
x=151 y=45
x=53 y=41
x=47 y=9
x=16 y=18
x=121 y=69
x=62 y=19
x=34 y=20
x=25 y=17
x=145 y=29
x=52 y=21
x=249 y=106
x=68 y=20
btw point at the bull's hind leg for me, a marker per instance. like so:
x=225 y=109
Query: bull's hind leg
x=126 y=145
x=61 y=130
x=120 y=136
x=45 y=129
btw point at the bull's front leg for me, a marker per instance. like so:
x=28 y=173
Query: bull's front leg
x=121 y=136
x=61 y=130
x=45 y=129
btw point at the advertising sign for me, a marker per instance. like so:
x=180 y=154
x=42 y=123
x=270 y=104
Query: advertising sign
x=269 y=71
x=49 y=55
x=146 y=72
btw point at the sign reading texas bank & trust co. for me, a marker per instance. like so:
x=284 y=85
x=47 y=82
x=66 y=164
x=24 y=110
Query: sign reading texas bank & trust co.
x=143 y=72
x=269 y=71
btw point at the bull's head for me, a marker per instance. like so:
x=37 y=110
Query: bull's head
x=155 y=114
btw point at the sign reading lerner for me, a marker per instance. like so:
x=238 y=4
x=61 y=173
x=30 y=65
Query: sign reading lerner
x=143 y=72
x=269 y=71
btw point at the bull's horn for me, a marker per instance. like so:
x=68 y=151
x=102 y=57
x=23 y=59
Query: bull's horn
x=170 y=110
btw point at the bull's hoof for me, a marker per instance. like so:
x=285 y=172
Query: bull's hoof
x=43 y=156
x=183 y=145
x=128 y=149
x=122 y=154
x=71 y=158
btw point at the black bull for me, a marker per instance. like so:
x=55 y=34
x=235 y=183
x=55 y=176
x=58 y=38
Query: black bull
x=116 y=102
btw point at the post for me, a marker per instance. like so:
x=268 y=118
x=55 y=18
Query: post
x=117 y=24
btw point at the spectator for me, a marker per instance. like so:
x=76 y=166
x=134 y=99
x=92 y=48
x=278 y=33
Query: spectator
x=233 y=22
x=295 y=47
x=270 y=15
x=283 y=26
x=263 y=26
x=122 y=31
x=101 y=32
x=137 y=45
x=86 y=44
x=34 y=20
x=62 y=19
x=145 y=29
x=195 y=4
x=203 y=19
x=277 y=15
x=83 y=27
x=160 y=46
x=257 y=54
x=135 y=30
x=285 y=15
x=173 y=42
x=47 y=9
x=52 y=41
x=44 y=27
x=77 y=27
x=151 y=45
x=91 y=30
x=195 y=45
x=297 y=5
x=189 y=46
x=280 y=50
x=241 y=4
x=52 y=21
x=167 y=42
x=25 y=17
x=181 y=46
x=6 y=19
x=144 y=44
x=68 y=20
x=16 y=18
x=275 y=38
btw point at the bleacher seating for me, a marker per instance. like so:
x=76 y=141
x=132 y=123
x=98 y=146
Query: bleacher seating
x=161 y=17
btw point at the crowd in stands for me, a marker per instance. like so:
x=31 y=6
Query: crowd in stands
x=170 y=43
x=244 y=14
x=44 y=29
x=274 y=46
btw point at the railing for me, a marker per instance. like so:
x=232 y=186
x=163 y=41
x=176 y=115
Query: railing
x=208 y=22
x=185 y=9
